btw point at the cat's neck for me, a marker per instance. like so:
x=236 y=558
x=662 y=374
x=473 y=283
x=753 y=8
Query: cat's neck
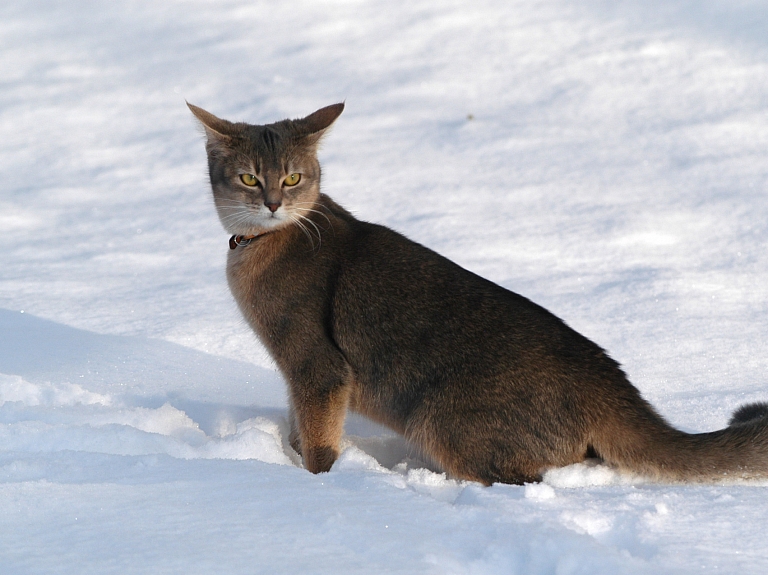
x=242 y=241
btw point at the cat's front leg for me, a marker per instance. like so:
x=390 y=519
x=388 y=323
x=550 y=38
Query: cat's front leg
x=319 y=407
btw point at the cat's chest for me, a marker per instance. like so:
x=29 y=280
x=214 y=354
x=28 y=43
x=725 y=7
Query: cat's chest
x=250 y=273
x=276 y=280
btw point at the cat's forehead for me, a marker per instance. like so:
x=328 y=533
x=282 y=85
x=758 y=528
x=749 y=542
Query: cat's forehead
x=271 y=140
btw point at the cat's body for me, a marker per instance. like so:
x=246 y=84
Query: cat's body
x=488 y=384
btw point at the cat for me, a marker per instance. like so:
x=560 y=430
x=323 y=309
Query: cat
x=489 y=385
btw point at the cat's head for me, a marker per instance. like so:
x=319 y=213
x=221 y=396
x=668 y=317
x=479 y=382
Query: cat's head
x=264 y=177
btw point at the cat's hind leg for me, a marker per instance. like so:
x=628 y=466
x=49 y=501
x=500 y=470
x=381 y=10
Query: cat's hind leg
x=294 y=439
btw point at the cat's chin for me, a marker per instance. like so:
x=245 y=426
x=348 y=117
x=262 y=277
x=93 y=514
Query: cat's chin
x=263 y=226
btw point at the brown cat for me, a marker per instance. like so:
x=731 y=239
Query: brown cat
x=488 y=384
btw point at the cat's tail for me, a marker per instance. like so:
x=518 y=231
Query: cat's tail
x=658 y=451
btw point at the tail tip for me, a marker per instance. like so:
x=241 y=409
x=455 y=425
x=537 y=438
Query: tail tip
x=749 y=413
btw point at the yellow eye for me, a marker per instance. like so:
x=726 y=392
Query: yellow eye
x=249 y=179
x=292 y=180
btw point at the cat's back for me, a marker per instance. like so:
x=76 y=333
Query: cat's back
x=393 y=293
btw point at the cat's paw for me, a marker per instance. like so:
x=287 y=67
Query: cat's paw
x=320 y=459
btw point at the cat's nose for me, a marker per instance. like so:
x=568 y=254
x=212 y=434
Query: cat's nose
x=273 y=206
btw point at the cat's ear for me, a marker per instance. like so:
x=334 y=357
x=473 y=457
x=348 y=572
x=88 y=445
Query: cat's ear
x=314 y=126
x=216 y=129
x=322 y=119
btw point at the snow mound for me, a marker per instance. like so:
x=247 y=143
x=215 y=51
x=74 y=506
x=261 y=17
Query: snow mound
x=589 y=473
x=14 y=388
x=31 y=419
x=539 y=491
x=407 y=474
x=355 y=459
x=436 y=485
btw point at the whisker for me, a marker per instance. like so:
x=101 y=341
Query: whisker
x=237 y=216
x=239 y=212
x=304 y=229
x=313 y=211
x=236 y=219
x=314 y=205
x=317 y=230
x=314 y=225
x=232 y=202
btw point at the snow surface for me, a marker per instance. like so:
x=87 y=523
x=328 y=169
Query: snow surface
x=606 y=159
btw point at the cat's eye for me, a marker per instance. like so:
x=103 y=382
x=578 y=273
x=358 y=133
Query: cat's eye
x=249 y=179
x=292 y=180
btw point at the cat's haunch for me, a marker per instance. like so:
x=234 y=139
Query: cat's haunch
x=489 y=385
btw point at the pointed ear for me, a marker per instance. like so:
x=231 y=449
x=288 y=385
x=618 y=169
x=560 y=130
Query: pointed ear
x=215 y=128
x=314 y=126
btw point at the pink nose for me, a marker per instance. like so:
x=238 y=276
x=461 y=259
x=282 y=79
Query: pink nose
x=273 y=206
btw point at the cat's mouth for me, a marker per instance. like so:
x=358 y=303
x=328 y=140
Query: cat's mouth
x=247 y=220
x=266 y=222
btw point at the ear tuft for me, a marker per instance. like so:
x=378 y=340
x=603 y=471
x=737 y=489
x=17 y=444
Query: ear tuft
x=321 y=120
x=213 y=126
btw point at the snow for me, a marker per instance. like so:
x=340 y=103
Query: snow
x=605 y=159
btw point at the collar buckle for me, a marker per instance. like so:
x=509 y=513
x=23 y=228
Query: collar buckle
x=235 y=241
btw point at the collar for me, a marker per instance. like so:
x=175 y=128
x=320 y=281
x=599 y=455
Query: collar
x=235 y=241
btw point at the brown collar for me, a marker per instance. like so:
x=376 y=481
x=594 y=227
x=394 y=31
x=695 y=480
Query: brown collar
x=235 y=241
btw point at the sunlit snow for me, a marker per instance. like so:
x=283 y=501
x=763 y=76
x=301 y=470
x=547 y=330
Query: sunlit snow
x=608 y=160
